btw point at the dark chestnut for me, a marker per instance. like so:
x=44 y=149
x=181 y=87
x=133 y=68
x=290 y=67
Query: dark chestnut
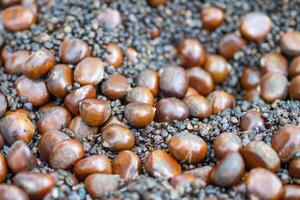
x=20 y=157
x=91 y=165
x=169 y=109
x=228 y=171
x=174 y=82
x=72 y=51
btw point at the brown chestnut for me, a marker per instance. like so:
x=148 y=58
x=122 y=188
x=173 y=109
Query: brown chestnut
x=72 y=51
x=149 y=79
x=263 y=184
x=192 y=52
x=230 y=44
x=73 y=99
x=274 y=62
x=15 y=127
x=198 y=106
x=200 y=80
x=161 y=165
x=11 y=192
x=286 y=142
x=255 y=26
x=220 y=100
x=3 y=168
x=218 y=67
x=115 y=87
x=89 y=71
x=94 y=112
x=127 y=165
x=212 y=17
x=251 y=120
x=91 y=165
x=118 y=138
x=15 y=61
x=20 y=157
x=169 y=109
x=174 y=82
x=259 y=154
x=37 y=97
x=187 y=148
x=36 y=185
x=38 y=64
x=58 y=79
x=65 y=154
x=139 y=115
x=140 y=94
x=228 y=171
x=48 y=141
x=55 y=118
x=18 y=18
x=81 y=129
x=99 y=184
x=114 y=55
x=226 y=142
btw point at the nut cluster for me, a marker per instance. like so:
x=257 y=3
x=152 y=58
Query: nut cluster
x=177 y=92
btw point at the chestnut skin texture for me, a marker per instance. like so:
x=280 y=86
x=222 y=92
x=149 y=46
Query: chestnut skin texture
x=162 y=165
